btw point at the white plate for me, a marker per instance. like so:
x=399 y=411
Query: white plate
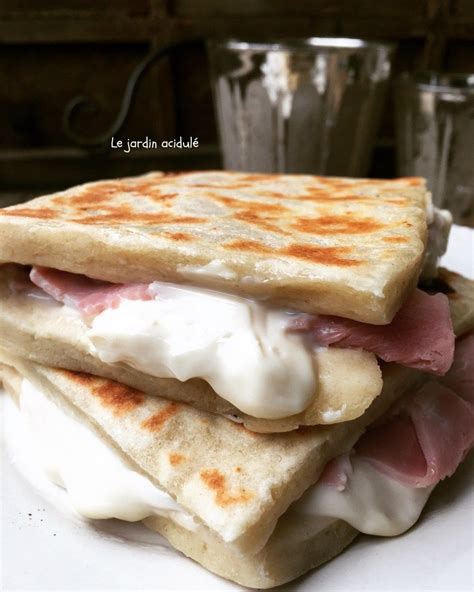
x=46 y=548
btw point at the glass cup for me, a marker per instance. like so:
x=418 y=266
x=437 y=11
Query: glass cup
x=299 y=105
x=435 y=137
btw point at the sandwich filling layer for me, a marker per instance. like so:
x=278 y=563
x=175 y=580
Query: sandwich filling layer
x=267 y=362
x=100 y=485
x=380 y=487
x=239 y=346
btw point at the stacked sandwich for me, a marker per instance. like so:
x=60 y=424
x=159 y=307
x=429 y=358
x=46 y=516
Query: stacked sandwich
x=257 y=366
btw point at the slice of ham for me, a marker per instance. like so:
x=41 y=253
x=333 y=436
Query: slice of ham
x=90 y=296
x=460 y=377
x=442 y=431
x=393 y=447
x=423 y=439
x=420 y=336
x=337 y=472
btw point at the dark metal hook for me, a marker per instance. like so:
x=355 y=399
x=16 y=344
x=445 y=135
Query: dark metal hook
x=86 y=104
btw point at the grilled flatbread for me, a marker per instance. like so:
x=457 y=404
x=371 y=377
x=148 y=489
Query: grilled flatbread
x=346 y=247
x=235 y=482
x=298 y=543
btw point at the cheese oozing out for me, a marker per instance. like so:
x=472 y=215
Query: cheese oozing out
x=439 y=226
x=239 y=346
x=371 y=502
x=98 y=481
x=100 y=484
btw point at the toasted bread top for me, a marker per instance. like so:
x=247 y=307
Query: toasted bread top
x=347 y=247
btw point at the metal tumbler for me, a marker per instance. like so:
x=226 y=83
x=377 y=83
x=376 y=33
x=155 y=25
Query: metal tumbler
x=435 y=137
x=299 y=105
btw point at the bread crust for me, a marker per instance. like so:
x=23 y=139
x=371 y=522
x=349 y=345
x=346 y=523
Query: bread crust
x=347 y=247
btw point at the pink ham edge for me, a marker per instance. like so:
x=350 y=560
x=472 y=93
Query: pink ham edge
x=337 y=472
x=88 y=295
x=460 y=377
x=393 y=448
x=426 y=437
x=444 y=424
x=420 y=336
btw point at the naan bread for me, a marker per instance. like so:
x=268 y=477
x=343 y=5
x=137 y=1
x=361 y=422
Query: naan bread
x=346 y=247
x=297 y=545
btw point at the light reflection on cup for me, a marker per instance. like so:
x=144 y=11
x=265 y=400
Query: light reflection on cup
x=435 y=137
x=299 y=106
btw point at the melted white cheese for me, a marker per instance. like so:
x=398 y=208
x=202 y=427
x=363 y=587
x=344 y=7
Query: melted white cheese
x=98 y=481
x=213 y=269
x=332 y=415
x=371 y=502
x=439 y=226
x=100 y=484
x=239 y=346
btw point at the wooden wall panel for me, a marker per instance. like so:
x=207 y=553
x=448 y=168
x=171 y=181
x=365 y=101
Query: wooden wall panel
x=54 y=49
x=42 y=80
x=462 y=8
x=74 y=8
x=459 y=56
x=194 y=107
x=342 y=8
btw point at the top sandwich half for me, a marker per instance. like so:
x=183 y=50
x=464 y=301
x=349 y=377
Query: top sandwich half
x=347 y=247
x=267 y=298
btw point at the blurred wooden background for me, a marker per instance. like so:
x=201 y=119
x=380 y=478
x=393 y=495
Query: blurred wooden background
x=53 y=50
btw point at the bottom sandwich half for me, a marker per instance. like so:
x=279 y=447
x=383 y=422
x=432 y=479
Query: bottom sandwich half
x=258 y=509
